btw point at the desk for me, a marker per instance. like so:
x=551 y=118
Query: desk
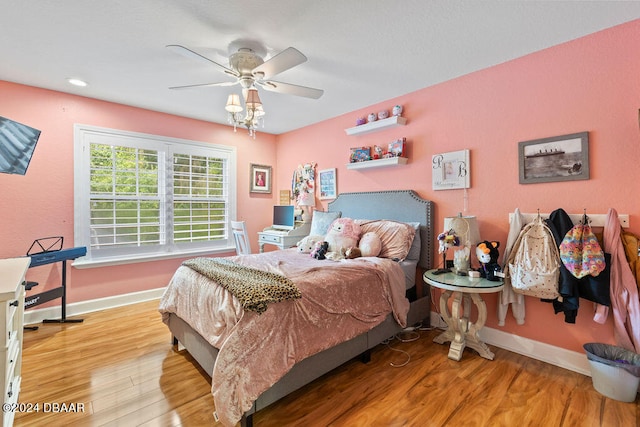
x=461 y=331
x=283 y=239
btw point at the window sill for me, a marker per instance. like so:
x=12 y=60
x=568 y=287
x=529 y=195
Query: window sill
x=82 y=263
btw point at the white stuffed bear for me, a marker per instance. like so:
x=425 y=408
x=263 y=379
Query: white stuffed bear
x=343 y=233
x=307 y=244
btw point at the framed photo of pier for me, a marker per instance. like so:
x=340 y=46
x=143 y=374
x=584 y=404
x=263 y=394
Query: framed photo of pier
x=559 y=158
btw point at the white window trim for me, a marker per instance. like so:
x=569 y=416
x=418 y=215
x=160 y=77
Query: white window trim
x=81 y=197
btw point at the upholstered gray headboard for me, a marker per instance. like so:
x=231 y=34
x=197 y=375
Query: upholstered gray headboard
x=398 y=205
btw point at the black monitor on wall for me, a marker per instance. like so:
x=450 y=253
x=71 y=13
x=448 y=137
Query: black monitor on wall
x=17 y=143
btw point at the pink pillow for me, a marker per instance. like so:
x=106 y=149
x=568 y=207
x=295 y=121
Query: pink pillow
x=395 y=237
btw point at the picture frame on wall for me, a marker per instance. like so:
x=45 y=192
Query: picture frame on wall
x=558 y=158
x=328 y=184
x=260 y=179
x=450 y=171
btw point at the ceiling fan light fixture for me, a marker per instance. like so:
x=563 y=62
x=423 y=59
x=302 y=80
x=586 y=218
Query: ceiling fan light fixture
x=254 y=115
x=233 y=104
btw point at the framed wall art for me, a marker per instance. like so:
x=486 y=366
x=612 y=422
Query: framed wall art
x=559 y=158
x=260 y=179
x=451 y=170
x=328 y=183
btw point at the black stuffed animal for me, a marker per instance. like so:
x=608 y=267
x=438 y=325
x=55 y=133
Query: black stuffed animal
x=487 y=253
x=320 y=250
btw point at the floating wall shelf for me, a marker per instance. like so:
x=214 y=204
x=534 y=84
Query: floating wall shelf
x=391 y=161
x=390 y=122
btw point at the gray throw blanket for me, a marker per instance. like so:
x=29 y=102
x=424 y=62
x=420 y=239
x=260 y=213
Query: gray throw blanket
x=253 y=288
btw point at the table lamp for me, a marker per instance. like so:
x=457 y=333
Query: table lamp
x=466 y=228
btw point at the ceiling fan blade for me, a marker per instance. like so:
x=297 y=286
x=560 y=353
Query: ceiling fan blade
x=288 y=58
x=181 y=50
x=206 y=85
x=290 y=89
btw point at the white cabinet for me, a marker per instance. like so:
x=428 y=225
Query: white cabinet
x=12 y=272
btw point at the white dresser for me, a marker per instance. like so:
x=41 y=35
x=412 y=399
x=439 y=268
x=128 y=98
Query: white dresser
x=12 y=272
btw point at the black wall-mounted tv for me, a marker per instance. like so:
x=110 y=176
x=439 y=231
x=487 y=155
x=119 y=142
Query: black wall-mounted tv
x=17 y=142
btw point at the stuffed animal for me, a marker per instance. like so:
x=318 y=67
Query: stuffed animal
x=352 y=253
x=370 y=244
x=343 y=233
x=307 y=244
x=320 y=250
x=487 y=253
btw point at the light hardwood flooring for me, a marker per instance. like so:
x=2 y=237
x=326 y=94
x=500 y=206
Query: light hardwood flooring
x=120 y=366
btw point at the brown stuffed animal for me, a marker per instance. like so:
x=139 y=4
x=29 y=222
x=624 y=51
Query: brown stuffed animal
x=352 y=252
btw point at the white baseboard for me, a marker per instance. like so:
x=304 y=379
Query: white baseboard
x=553 y=355
x=32 y=316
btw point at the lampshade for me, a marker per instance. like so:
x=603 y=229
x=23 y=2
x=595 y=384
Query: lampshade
x=465 y=227
x=233 y=104
x=306 y=199
x=253 y=99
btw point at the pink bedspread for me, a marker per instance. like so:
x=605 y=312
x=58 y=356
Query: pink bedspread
x=340 y=300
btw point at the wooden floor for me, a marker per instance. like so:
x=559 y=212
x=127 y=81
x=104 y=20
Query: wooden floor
x=117 y=368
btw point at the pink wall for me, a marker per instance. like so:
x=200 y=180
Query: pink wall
x=590 y=84
x=40 y=203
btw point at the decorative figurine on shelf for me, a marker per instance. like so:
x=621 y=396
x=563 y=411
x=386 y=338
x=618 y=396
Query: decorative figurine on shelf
x=372 y=117
x=487 y=253
x=446 y=240
x=383 y=114
x=360 y=121
x=378 y=152
x=397 y=110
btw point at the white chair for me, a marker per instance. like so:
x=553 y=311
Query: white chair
x=239 y=230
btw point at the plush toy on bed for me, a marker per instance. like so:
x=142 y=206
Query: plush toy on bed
x=487 y=253
x=343 y=234
x=320 y=250
x=370 y=244
x=352 y=253
x=307 y=244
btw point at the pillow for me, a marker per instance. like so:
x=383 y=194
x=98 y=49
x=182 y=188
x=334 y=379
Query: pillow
x=321 y=221
x=396 y=237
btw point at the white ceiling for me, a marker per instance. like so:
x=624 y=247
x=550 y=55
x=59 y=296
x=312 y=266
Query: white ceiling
x=360 y=52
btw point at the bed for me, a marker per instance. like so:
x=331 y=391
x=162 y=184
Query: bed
x=227 y=352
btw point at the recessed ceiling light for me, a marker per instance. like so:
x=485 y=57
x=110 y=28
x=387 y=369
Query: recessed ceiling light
x=77 y=82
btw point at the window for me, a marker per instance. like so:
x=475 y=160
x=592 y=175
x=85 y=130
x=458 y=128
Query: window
x=142 y=197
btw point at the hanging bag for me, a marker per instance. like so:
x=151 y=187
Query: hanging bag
x=534 y=265
x=580 y=251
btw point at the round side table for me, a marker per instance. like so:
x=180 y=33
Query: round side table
x=461 y=330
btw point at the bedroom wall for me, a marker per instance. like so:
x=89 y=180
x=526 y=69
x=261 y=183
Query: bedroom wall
x=590 y=84
x=40 y=203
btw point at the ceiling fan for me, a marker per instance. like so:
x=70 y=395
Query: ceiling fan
x=250 y=70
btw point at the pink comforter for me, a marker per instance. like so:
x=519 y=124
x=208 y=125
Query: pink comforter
x=340 y=300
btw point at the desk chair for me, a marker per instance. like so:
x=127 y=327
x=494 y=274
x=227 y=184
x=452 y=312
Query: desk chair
x=239 y=230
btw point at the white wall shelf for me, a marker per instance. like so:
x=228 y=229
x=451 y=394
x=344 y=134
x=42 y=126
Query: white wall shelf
x=390 y=122
x=391 y=161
